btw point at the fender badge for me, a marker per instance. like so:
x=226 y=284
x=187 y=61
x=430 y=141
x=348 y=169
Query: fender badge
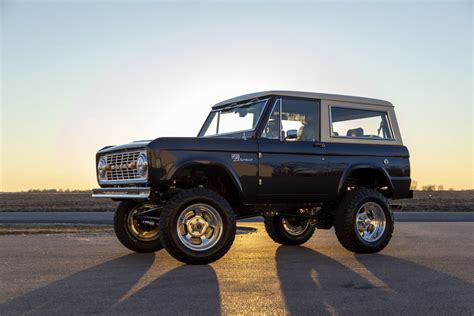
x=237 y=158
x=385 y=161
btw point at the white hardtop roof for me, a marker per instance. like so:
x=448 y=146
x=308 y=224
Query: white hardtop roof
x=300 y=94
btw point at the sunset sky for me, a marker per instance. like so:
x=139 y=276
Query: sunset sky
x=78 y=75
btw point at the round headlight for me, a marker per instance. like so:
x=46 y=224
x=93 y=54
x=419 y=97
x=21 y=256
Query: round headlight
x=101 y=168
x=142 y=164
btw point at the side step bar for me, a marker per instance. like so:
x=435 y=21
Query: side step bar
x=122 y=193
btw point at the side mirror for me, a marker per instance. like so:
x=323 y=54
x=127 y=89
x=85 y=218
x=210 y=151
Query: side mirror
x=291 y=134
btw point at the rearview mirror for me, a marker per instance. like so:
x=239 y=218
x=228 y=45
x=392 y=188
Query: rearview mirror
x=242 y=112
x=291 y=134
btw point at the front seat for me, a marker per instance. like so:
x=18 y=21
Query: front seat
x=307 y=132
x=272 y=129
x=356 y=132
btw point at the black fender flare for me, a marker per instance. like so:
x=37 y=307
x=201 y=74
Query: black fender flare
x=378 y=168
x=209 y=163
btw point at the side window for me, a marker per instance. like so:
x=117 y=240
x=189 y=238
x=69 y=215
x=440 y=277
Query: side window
x=358 y=123
x=295 y=115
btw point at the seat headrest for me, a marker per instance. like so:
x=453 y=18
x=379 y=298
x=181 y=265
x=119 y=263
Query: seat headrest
x=356 y=132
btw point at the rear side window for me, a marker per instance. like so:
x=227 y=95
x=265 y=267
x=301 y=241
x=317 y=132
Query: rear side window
x=358 y=123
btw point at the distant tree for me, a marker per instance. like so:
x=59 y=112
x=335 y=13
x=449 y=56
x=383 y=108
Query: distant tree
x=48 y=191
x=428 y=187
x=440 y=187
x=414 y=185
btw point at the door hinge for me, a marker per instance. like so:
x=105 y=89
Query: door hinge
x=259 y=181
x=259 y=155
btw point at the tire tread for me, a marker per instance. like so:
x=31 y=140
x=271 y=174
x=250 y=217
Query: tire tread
x=275 y=231
x=125 y=237
x=174 y=204
x=344 y=225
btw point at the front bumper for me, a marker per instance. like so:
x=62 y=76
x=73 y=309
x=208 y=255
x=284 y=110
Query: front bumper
x=122 y=193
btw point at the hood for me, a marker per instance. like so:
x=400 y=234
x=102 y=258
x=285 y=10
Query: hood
x=203 y=144
x=133 y=145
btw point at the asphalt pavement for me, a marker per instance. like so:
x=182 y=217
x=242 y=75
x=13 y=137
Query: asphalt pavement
x=106 y=217
x=427 y=269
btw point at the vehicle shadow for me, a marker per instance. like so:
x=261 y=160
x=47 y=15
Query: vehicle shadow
x=102 y=288
x=186 y=290
x=419 y=287
x=313 y=283
x=93 y=290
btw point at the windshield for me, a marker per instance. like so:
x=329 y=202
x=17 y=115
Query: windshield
x=234 y=120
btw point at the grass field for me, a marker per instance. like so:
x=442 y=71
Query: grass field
x=53 y=202
x=447 y=201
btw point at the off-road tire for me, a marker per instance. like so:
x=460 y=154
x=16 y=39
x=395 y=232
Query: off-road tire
x=276 y=231
x=345 y=218
x=125 y=237
x=169 y=217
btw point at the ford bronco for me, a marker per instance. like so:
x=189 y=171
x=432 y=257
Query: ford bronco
x=303 y=161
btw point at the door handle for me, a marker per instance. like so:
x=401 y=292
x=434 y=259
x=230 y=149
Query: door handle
x=322 y=145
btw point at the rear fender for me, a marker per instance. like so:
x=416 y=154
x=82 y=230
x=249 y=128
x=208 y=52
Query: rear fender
x=374 y=167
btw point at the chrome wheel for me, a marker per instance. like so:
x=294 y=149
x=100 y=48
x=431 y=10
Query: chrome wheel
x=137 y=228
x=295 y=227
x=370 y=222
x=199 y=227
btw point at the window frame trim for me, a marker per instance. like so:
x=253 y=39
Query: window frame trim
x=331 y=131
x=325 y=127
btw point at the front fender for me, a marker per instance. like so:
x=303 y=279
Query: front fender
x=207 y=162
x=173 y=162
x=237 y=157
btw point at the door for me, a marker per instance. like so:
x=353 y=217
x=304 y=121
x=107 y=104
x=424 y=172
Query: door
x=292 y=162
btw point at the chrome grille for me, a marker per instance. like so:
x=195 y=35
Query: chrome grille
x=120 y=166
